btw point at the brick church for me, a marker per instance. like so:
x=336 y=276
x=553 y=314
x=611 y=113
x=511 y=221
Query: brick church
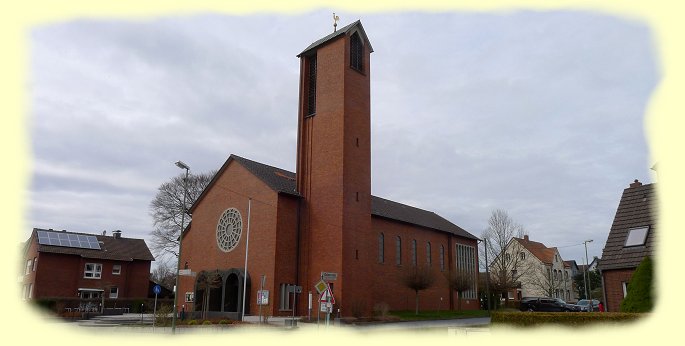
x=290 y=227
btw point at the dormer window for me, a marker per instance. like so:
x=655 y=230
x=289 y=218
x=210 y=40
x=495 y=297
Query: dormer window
x=356 y=52
x=637 y=236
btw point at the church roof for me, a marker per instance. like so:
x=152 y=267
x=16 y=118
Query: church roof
x=282 y=181
x=401 y=212
x=636 y=209
x=344 y=30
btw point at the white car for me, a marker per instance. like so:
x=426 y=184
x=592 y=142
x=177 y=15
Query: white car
x=584 y=305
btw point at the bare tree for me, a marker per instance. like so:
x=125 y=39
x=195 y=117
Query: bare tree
x=419 y=279
x=544 y=279
x=507 y=266
x=164 y=274
x=460 y=281
x=206 y=281
x=167 y=209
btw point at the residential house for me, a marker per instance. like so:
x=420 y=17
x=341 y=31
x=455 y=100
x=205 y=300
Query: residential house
x=630 y=240
x=536 y=270
x=80 y=270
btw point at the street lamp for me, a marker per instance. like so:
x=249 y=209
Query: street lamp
x=180 y=165
x=587 y=283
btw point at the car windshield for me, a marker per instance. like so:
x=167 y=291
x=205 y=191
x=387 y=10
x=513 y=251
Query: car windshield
x=560 y=300
x=583 y=302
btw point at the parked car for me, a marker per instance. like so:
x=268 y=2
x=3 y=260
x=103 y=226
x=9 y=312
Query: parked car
x=546 y=304
x=584 y=305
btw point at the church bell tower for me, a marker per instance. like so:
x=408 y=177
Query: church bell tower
x=334 y=157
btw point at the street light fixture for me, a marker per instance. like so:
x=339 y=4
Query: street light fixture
x=180 y=165
x=587 y=283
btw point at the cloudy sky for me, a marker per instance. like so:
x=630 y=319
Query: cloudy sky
x=540 y=114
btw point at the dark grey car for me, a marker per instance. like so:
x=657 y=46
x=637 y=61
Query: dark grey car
x=546 y=304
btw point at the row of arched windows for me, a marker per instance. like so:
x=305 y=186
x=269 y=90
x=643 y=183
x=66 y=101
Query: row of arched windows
x=398 y=252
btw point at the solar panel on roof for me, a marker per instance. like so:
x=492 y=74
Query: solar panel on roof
x=68 y=240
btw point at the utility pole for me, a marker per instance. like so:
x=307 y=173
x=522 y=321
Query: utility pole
x=587 y=267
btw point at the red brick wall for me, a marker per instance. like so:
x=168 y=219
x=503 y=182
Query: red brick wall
x=613 y=287
x=200 y=250
x=60 y=275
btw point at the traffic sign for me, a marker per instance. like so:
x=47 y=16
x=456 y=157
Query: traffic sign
x=326 y=276
x=157 y=289
x=327 y=296
x=321 y=286
x=262 y=297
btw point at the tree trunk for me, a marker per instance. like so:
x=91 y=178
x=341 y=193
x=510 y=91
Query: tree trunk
x=417 y=302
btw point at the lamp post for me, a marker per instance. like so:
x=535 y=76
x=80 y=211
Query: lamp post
x=180 y=165
x=587 y=283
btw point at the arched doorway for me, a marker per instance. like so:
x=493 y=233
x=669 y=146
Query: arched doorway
x=232 y=293
x=220 y=293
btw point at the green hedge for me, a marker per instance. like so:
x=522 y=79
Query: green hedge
x=561 y=318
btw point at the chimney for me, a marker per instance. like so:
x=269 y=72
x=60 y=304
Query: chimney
x=116 y=234
x=636 y=183
x=525 y=237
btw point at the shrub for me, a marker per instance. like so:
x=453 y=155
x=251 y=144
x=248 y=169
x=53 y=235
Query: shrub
x=527 y=319
x=380 y=309
x=163 y=315
x=639 y=297
x=224 y=322
x=206 y=322
x=192 y=322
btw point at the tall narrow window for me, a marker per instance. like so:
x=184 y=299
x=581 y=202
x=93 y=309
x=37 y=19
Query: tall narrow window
x=284 y=303
x=398 y=250
x=311 y=90
x=428 y=253
x=381 y=248
x=466 y=264
x=356 y=52
x=442 y=257
x=413 y=252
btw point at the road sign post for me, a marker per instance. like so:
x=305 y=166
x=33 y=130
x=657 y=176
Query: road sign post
x=156 y=289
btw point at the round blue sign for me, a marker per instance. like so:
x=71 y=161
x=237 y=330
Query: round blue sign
x=157 y=289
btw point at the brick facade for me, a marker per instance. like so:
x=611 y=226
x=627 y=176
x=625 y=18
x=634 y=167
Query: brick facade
x=613 y=287
x=58 y=273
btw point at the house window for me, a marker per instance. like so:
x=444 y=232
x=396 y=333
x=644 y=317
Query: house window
x=398 y=250
x=28 y=267
x=381 y=248
x=636 y=236
x=116 y=269
x=522 y=255
x=428 y=253
x=93 y=271
x=466 y=264
x=113 y=292
x=30 y=293
x=625 y=288
x=311 y=89
x=413 y=252
x=190 y=297
x=285 y=298
x=35 y=263
x=356 y=52
x=442 y=258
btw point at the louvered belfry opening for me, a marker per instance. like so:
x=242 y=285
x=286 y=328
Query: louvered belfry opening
x=356 y=52
x=311 y=90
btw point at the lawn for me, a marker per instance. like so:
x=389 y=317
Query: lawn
x=410 y=315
